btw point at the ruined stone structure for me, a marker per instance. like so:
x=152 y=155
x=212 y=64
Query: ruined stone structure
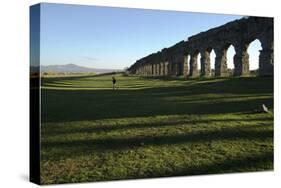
x=181 y=59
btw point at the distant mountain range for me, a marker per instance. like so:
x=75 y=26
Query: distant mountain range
x=72 y=68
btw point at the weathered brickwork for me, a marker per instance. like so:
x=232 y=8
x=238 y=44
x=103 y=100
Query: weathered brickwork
x=182 y=58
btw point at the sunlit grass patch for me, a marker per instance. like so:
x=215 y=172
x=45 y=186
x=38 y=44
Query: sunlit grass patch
x=154 y=126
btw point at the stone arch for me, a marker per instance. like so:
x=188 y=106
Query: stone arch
x=265 y=59
x=224 y=60
x=212 y=62
x=253 y=49
x=206 y=62
x=194 y=63
x=230 y=53
x=238 y=33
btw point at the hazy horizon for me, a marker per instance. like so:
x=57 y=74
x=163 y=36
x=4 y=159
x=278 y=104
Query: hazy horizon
x=74 y=64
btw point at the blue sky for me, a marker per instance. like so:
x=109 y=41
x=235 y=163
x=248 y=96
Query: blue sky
x=106 y=37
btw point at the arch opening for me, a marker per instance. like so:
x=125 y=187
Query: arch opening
x=187 y=58
x=199 y=63
x=186 y=65
x=253 y=50
x=194 y=63
x=230 y=52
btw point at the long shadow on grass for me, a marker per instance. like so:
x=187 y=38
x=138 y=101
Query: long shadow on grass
x=232 y=84
x=251 y=163
x=239 y=85
x=81 y=147
x=60 y=106
x=50 y=130
x=263 y=161
x=80 y=105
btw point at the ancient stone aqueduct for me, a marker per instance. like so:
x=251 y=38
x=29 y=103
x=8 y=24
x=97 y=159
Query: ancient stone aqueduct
x=239 y=33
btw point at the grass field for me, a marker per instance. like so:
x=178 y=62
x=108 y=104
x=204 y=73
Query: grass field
x=152 y=127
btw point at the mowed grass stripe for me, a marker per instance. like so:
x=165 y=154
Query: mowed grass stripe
x=154 y=126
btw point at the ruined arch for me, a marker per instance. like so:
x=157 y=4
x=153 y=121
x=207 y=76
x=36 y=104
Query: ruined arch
x=230 y=57
x=212 y=62
x=254 y=48
x=206 y=61
x=238 y=33
x=200 y=66
x=194 y=63
x=229 y=53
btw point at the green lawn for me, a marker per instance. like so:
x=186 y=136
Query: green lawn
x=152 y=127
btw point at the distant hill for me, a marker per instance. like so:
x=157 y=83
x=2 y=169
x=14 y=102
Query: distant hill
x=72 y=68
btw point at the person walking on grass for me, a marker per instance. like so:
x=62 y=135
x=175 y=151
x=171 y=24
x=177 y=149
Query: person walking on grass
x=114 y=83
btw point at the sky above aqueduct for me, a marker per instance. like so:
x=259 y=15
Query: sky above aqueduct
x=106 y=37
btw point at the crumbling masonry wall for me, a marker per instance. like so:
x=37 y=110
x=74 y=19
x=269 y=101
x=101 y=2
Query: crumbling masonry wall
x=182 y=58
